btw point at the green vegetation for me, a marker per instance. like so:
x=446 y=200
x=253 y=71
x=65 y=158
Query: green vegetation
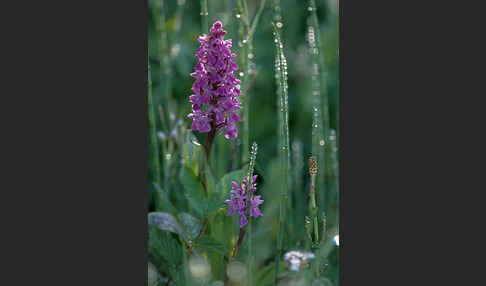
x=288 y=61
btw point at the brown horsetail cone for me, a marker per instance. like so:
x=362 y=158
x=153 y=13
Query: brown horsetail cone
x=312 y=165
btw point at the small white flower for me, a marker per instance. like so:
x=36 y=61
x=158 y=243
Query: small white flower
x=336 y=240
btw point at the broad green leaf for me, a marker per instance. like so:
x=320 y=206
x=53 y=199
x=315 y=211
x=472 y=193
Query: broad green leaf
x=194 y=190
x=166 y=221
x=224 y=185
x=210 y=181
x=195 y=194
x=191 y=225
x=214 y=204
x=161 y=244
x=207 y=242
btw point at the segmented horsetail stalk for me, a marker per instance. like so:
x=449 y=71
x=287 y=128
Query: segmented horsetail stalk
x=333 y=153
x=313 y=168
x=204 y=16
x=251 y=257
x=153 y=142
x=242 y=17
x=281 y=68
x=246 y=32
x=320 y=57
x=313 y=172
x=320 y=123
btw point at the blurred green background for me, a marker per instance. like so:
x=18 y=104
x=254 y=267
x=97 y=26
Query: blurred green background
x=173 y=28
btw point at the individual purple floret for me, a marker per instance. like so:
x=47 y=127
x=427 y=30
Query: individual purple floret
x=238 y=200
x=215 y=102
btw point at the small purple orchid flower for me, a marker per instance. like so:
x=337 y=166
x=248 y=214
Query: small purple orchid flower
x=215 y=104
x=238 y=201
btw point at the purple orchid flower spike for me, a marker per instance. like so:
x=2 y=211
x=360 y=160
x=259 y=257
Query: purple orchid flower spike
x=215 y=104
x=238 y=201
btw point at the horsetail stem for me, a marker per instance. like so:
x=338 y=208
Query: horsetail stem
x=246 y=37
x=204 y=16
x=153 y=142
x=313 y=172
x=284 y=139
x=313 y=168
x=320 y=135
x=244 y=230
x=251 y=258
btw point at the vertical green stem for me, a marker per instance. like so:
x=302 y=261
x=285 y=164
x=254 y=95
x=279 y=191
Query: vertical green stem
x=153 y=142
x=164 y=53
x=313 y=168
x=323 y=116
x=166 y=89
x=313 y=173
x=284 y=152
x=297 y=194
x=251 y=258
x=243 y=74
x=204 y=17
x=246 y=33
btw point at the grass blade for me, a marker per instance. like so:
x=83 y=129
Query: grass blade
x=153 y=142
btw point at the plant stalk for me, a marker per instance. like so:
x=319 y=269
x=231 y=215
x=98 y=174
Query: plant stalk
x=204 y=16
x=284 y=139
x=251 y=258
x=153 y=142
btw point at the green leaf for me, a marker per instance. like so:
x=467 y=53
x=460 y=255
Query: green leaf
x=194 y=190
x=266 y=275
x=161 y=244
x=207 y=242
x=210 y=181
x=166 y=204
x=195 y=194
x=192 y=226
x=191 y=153
x=214 y=204
x=224 y=185
x=166 y=221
